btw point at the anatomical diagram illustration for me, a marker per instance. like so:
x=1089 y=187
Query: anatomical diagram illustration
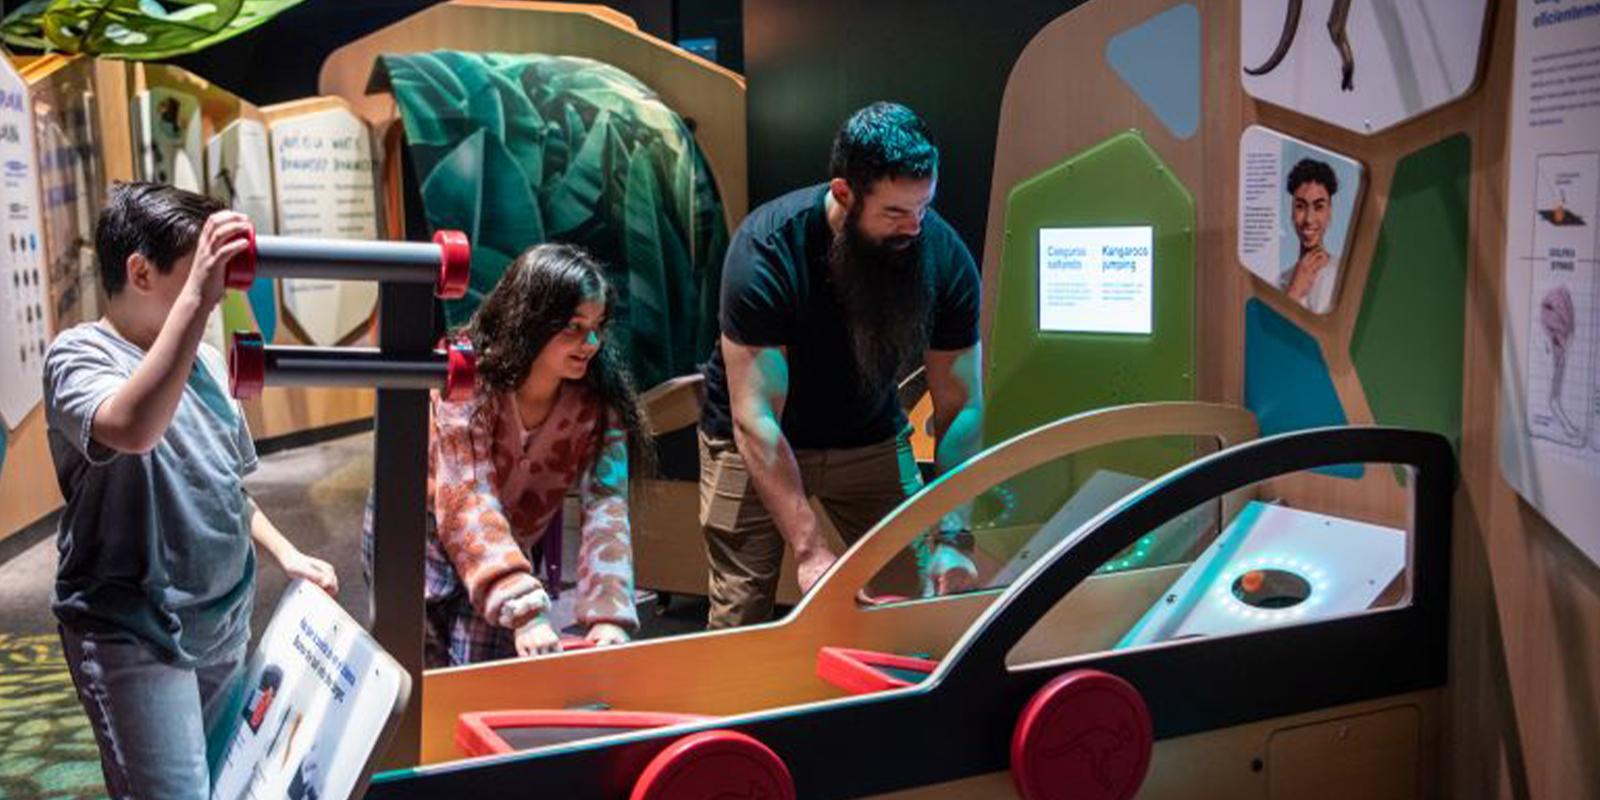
x=1558 y=319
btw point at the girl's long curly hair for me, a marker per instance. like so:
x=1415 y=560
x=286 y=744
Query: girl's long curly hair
x=534 y=300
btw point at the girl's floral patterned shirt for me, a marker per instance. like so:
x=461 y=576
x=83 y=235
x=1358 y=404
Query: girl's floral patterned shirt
x=495 y=486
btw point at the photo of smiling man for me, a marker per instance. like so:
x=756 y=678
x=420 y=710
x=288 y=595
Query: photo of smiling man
x=1309 y=279
x=1297 y=207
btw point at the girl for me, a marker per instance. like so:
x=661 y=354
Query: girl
x=554 y=409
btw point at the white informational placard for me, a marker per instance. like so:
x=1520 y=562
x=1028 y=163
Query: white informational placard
x=1405 y=57
x=167 y=149
x=323 y=167
x=321 y=699
x=1096 y=280
x=24 y=321
x=70 y=187
x=166 y=138
x=1297 y=205
x=1550 y=356
x=1341 y=566
x=239 y=172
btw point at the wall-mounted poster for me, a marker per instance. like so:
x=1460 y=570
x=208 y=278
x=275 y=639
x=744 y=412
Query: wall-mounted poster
x=1550 y=358
x=24 y=320
x=239 y=173
x=1364 y=65
x=326 y=188
x=166 y=138
x=321 y=699
x=1297 y=205
x=70 y=170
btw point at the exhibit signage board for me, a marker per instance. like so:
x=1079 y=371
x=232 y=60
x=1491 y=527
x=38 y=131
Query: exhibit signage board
x=1550 y=356
x=239 y=172
x=70 y=187
x=1297 y=206
x=323 y=168
x=24 y=326
x=320 y=699
x=1096 y=280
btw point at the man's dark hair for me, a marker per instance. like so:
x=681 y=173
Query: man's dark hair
x=1310 y=170
x=883 y=140
x=159 y=221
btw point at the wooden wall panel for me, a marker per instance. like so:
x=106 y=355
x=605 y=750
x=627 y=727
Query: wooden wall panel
x=1523 y=717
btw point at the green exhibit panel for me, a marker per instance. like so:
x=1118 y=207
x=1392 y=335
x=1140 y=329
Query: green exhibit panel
x=1409 y=338
x=1094 y=307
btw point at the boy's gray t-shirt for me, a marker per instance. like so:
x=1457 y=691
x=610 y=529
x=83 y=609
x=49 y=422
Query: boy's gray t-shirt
x=156 y=545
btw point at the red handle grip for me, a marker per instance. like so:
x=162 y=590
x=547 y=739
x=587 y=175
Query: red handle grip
x=247 y=366
x=455 y=264
x=461 y=372
x=242 y=269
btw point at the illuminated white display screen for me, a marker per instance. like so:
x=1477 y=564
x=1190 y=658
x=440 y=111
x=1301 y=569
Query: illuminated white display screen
x=1096 y=280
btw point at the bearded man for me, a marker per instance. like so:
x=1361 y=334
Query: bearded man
x=830 y=294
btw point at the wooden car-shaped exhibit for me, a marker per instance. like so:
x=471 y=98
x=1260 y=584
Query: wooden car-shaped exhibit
x=710 y=673
x=1045 y=693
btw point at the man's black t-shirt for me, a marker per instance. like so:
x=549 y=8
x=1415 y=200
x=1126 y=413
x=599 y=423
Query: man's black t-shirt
x=776 y=293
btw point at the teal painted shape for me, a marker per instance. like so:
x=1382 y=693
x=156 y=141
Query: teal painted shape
x=1409 y=339
x=264 y=304
x=1160 y=60
x=1033 y=377
x=1286 y=382
x=3 y=444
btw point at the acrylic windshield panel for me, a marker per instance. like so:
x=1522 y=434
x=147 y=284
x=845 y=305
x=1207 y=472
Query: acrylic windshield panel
x=1279 y=554
x=1096 y=279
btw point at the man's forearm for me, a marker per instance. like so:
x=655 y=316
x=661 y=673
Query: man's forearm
x=959 y=440
x=776 y=474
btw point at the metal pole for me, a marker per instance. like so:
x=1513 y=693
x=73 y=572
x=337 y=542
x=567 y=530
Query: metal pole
x=399 y=505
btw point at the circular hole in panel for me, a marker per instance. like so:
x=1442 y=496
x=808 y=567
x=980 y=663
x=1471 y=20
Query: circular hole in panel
x=1271 y=588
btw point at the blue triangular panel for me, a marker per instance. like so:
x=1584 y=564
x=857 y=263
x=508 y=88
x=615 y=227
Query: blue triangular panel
x=1160 y=60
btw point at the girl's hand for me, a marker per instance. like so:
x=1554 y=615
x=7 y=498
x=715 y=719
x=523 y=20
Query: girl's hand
x=537 y=637
x=319 y=572
x=604 y=633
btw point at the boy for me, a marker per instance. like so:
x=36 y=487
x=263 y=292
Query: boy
x=156 y=574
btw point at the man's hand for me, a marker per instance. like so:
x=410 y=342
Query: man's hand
x=605 y=633
x=319 y=572
x=950 y=571
x=537 y=637
x=812 y=564
x=221 y=239
x=1305 y=273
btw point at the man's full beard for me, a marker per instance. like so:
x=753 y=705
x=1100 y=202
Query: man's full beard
x=886 y=297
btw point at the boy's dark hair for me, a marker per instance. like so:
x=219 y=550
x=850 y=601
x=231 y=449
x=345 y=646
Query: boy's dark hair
x=159 y=221
x=883 y=140
x=1310 y=170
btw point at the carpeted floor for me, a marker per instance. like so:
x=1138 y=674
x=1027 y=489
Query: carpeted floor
x=314 y=494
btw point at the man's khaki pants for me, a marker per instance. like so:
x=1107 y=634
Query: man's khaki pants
x=857 y=487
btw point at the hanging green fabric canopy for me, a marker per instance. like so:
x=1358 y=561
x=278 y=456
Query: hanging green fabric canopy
x=521 y=149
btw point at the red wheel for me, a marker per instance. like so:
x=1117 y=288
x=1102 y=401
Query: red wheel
x=1085 y=736
x=461 y=372
x=242 y=269
x=247 y=366
x=714 y=764
x=455 y=264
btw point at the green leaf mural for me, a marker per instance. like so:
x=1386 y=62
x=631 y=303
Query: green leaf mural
x=520 y=149
x=134 y=29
